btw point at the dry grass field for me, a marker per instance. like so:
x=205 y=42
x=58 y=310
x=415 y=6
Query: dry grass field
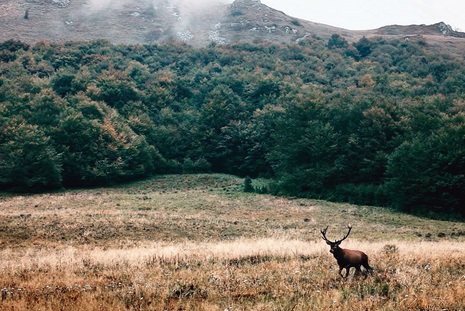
x=197 y=242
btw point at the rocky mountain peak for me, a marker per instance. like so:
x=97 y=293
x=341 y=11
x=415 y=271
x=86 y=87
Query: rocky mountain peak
x=246 y=3
x=438 y=29
x=444 y=28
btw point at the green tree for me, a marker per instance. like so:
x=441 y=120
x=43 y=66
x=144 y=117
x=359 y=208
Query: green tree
x=221 y=108
x=114 y=91
x=337 y=42
x=364 y=47
x=305 y=155
x=427 y=174
x=28 y=161
x=69 y=82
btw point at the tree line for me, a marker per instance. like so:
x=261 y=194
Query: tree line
x=378 y=121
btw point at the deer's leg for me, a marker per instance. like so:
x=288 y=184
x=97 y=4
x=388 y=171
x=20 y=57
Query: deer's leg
x=357 y=270
x=347 y=271
x=368 y=268
x=340 y=271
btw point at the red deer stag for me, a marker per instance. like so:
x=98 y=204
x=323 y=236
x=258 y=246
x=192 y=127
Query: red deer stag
x=347 y=258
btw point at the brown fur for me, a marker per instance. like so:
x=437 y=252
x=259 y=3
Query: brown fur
x=347 y=258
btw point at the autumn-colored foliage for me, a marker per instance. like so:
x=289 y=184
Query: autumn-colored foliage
x=375 y=122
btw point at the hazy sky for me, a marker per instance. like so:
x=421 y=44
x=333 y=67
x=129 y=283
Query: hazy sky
x=370 y=14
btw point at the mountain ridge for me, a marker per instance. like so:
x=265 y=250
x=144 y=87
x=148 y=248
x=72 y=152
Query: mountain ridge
x=155 y=21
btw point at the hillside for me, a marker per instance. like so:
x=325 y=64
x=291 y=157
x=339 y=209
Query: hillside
x=144 y=21
x=147 y=21
x=370 y=122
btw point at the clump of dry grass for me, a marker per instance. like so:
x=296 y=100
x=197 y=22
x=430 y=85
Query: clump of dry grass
x=198 y=243
x=261 y=274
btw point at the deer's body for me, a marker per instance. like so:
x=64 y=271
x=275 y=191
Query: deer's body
x=347 y=258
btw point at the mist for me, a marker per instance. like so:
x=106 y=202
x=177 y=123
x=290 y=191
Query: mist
x=189 y=9
x=184 y=6
x=183 y=17
x=190 y=6
x=103 y=4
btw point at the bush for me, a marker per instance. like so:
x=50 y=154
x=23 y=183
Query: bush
x=248 y=185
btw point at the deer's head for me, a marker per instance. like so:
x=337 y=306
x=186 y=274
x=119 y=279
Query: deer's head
x=334 y=246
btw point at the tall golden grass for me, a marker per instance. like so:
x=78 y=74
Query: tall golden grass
x=243 y=274
x=198 y=243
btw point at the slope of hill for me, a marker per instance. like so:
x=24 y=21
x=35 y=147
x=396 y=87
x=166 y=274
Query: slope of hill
x=198 y=24
x=144 y=21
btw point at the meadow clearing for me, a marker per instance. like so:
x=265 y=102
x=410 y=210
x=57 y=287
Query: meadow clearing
x=198 y=242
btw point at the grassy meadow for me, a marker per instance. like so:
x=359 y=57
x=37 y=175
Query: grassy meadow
x=198 y=242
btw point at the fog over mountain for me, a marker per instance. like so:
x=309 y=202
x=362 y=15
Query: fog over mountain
x=184 y=6
x=197 y=23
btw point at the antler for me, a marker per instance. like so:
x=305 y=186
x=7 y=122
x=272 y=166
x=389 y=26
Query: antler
x=323 y=233
x=350 y=228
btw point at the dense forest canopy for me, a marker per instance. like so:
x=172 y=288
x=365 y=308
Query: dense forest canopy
x=375 y=122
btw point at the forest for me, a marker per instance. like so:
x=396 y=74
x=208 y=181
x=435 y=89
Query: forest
x=376 y=122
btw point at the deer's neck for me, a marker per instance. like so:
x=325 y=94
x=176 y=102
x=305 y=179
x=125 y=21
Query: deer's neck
x=338 y=253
